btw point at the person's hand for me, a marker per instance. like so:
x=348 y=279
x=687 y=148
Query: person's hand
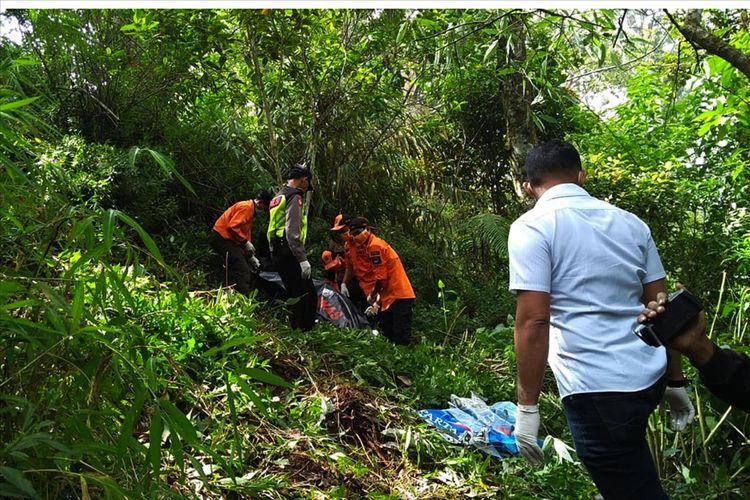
x=654 y=308
x=681 y=411
x=373 y=297
x=305 y=267
x=692 y=342
x=254 y=263
x=372 y=311
x=248 y=248
x=526 y=431
x=344 y=290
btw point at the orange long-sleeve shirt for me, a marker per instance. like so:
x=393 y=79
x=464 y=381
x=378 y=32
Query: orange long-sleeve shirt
x=376 y=260
x=236 y=223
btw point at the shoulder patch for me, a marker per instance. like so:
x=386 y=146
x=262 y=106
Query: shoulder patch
x=375 y=258
x=275 y=202
x=300 y=200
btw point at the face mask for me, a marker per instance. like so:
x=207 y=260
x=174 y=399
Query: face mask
x=361 y=237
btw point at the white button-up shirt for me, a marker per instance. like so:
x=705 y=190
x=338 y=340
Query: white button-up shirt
x=593 y=259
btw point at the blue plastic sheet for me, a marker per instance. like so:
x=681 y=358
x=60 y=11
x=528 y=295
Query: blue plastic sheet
x=470 y=421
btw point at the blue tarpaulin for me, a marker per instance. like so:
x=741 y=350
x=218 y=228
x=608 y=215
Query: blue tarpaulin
x=470 y=421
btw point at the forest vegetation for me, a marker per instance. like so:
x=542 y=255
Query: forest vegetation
x=127 y=371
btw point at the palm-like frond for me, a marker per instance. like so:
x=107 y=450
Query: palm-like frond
x=487 y=231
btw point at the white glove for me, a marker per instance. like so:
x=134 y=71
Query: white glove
x=373 y=310
x=249 y=248
x=527 y=428
x=305 y=266
x=681 y=411
x=344 y=290
x=254 y=262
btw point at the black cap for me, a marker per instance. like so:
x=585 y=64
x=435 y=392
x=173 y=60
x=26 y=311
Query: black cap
x=358 y=222
x=298 y=171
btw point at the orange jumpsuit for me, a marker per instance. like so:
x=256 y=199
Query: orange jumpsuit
x=376 y=260
x=236 y=223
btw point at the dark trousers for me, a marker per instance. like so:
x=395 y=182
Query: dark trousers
x=303 y=312
x=356 y=295
x=237 y=270
x=396 y=321
x=609 y=433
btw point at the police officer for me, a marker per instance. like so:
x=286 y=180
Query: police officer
x=287 y=232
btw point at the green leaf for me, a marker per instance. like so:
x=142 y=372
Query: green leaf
x=154 y=446
x=19 y=304
x=234 y=343
x=427 y=23
x=149 y=366
x=179 y=422
x=77 y=307
x=169 y=166
x=126 y=429
x=164 y=162
x=264 y=376
x=108 y=226
x=703 y=129
x=17 y=479
x=93 y=254
x=250 y=393
x=401 y=32
x=489 y=50
x=17 y=104
x=150 y=245
x=13 y=170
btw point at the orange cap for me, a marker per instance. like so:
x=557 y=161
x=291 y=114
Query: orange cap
x=338 y=223
x=328 y=261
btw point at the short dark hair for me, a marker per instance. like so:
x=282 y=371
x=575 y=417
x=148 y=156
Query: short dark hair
x=550 y=160
x=265 y=196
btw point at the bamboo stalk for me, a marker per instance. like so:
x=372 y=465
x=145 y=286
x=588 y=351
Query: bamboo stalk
x=721 y=420
x=718 y=303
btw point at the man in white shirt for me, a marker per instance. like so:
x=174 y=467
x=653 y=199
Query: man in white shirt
x=583 y=270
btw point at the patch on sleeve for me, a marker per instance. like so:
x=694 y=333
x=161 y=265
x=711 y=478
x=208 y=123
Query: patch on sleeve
x=300 y=200
x=375 y=258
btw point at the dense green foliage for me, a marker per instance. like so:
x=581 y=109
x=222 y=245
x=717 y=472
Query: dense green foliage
x=126 y=372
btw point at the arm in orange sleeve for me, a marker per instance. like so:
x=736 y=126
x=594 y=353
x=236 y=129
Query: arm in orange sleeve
x=380 y=256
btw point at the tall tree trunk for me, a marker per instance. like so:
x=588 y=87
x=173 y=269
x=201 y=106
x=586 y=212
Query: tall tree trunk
x=517 y=94
x=697 y=35
x=267 y=111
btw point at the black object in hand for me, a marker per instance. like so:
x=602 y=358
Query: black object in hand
x=681 y=308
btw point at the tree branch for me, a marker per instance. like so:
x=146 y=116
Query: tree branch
x=697 y=35
x=620 y=23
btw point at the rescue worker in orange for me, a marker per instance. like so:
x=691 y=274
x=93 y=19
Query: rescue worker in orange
x=231 y=239
x=381 y=276
x=349 y=287
x=333 y=263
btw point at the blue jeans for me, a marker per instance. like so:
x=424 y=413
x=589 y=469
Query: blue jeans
x=609 y=433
